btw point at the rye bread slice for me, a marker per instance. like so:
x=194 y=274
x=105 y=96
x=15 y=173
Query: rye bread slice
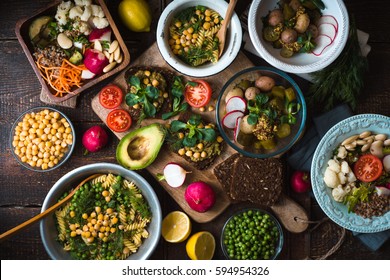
x=259 y=181
x=224 y=172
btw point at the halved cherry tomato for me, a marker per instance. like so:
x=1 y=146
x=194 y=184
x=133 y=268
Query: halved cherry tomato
x=110 y=96
x=199 y=95
x=368 y=168
x=119 y=120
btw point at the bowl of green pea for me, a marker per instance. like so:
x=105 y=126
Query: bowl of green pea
x=252 y=234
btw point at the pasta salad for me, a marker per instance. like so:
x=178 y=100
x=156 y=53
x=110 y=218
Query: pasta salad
x=192 y=35
x=107 y=218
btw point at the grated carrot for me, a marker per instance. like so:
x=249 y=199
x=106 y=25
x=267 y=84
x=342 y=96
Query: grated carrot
x=61 y=78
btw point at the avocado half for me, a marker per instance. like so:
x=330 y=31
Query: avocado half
x=140 y=147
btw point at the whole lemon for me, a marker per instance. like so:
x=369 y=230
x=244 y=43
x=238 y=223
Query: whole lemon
x=136 y=15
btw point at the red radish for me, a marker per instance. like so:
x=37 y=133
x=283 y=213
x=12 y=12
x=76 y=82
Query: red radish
x=95 y=61
x=328 y=19
x=300 y=181
x=94 y=139
x=322 y=41
x=200 y=196
x=230 y=119
x=237 y=128
x=86 y=74
x=327 y=29
x=103 y=34
x=235 y=103
x=174 y=174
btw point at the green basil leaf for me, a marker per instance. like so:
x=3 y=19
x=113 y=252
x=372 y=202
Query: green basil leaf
x=177 y=125
x=135 y=81
x=151 y=92
x=189 y=142
x=131 y=99
x=252 y=119
x=208 y=134
x=149 y=109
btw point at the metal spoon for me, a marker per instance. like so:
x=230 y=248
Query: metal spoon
x=38 y=217
x=221 y=34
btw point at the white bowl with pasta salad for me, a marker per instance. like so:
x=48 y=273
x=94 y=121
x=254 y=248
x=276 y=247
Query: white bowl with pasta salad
x=116 y=215
x=186 y=37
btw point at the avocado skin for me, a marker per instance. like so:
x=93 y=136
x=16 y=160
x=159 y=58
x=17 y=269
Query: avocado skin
x=153 y=135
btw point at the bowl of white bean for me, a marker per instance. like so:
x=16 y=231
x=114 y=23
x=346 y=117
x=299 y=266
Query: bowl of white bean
x=42 y=139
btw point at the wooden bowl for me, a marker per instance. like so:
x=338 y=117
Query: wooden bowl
x=21 y=30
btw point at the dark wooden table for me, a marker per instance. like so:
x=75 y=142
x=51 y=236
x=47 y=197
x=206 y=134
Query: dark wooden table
x=22 y=191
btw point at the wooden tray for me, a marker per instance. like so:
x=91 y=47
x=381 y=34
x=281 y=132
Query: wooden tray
x=21 y=30
x=152 y=57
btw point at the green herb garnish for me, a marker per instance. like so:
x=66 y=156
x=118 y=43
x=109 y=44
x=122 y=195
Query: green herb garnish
x=342 y=80
x=177 y=94
x=193 y=134
x=145 y=96
x=360 y=194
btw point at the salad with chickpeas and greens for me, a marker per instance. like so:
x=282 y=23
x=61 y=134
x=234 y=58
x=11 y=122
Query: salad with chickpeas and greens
x=192 y=35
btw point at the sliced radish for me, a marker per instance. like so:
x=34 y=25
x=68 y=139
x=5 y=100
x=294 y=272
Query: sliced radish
x=328 y=19
x=322 y=42
x=236 y=103
x=230 y=119
x=174 y=174
x=237 y=128
x=86 y=74
x=327 y=29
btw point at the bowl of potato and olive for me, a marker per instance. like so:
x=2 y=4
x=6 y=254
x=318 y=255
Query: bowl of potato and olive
x=42 y=139
x=298 y=36
x=261 y=112
x=252 y=234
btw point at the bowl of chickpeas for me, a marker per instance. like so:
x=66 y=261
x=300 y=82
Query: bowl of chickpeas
x=298 y=36
x=42 y=139
x=186 y=37
x=252 y=234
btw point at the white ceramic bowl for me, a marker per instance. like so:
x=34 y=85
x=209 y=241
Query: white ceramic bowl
x=232 y=45
x=49 y=233
x=337 y=211
x=300 y=62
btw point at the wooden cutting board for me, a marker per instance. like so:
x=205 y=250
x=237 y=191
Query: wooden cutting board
x=152 y=57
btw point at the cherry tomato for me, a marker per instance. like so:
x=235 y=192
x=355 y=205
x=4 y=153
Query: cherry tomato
x=119 y=120
x=368 y=168
x=199 y=95
x=110 y=96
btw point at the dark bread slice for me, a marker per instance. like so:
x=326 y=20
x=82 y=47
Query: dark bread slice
x=259 y=181
x=224 y=172
x=169 y=77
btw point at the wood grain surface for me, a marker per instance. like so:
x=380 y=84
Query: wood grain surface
x=152 y=57
x=22 y=191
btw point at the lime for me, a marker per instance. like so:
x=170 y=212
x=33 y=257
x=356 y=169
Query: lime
x=201 y=246
x=136 y=15
x=176 y=227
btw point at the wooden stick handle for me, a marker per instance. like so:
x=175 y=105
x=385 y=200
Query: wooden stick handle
x=40 y=216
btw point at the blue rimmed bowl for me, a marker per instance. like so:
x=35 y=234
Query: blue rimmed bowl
x=282 y=144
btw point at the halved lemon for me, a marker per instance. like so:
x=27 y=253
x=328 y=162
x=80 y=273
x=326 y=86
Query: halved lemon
x=201 y=246
x=176 y=227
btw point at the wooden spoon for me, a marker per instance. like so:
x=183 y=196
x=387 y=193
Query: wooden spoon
x=38 y=217
x=221 y=34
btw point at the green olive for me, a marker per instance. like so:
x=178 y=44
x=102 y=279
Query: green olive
x=284 y=130
x=290 y=94
x=286 y=53
x=270 y=35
